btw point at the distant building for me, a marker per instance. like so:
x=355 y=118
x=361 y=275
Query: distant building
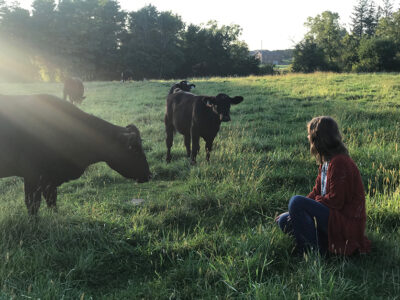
x=259 y=56
x=276 y=57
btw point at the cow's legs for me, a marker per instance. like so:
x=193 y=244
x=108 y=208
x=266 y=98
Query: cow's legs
x=187 y=144
x=170 y=138
x=195 y=146
x=50 y=194
x=209 y=144
x=33 y=195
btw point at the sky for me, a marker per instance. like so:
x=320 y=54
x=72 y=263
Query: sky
x=266 y=24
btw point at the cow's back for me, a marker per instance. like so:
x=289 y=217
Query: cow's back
x=74 y=88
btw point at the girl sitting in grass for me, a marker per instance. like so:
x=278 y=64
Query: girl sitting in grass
x=332 y=217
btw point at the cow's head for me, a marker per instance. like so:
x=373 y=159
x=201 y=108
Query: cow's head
x=221 y=105
x=79 y=99
x=185 y=86
x=129 y=160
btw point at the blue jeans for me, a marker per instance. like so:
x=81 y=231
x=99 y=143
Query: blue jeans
x=307 y=221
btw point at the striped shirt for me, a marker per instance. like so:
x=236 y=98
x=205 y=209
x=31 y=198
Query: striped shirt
x=324 y=172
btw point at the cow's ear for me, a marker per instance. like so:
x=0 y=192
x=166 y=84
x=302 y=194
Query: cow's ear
x=209 y=101
x=236 y=100
x=192 y=85
x=132 y=128
x=124 y=139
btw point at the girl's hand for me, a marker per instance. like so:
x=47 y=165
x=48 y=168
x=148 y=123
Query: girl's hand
x=279 y=216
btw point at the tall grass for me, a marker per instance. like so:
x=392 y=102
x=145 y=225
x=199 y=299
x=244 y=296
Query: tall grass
x=207 y=231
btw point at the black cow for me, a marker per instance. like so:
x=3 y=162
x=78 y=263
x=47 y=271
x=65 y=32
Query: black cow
x=73 y=87
x=195 y=117
x=181 y=86
x=48 y=141
x=126 y=75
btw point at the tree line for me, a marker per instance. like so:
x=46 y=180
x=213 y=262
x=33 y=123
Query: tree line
x=371 y=45
x=96 y=40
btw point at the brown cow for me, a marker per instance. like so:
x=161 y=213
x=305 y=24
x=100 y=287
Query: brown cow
x=48 y=141
x=194 y=117
x=73 y=87
x=183 y=86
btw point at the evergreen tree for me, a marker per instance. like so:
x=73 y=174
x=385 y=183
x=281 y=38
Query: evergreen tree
x=359 y=17
x=387 y=9
x=371 y=20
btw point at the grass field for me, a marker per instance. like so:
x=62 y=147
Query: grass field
x=207 y=231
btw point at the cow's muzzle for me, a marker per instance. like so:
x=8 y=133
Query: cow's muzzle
x=142 y=180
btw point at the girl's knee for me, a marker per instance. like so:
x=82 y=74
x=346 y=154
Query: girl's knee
x=283 y=221
x=295 y=203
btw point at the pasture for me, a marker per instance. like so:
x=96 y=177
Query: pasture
x=207 y=231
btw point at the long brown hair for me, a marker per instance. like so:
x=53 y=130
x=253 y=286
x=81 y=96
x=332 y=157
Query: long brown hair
x=325 y=138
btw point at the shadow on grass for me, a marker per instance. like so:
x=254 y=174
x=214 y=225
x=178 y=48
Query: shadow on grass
x=90 y=255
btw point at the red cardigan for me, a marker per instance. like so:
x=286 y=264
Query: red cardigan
x=346 y=201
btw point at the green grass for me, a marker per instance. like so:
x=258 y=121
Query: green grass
x=207 y=231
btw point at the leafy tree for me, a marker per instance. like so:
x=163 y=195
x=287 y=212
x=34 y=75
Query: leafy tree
x=43 y=36
x=371 y=46
x=16 y=51
x=169 y=44
x=388 y=28
x=326 y=31
x=213 y=50
x=241 y=62
x=308 y=57
x=87 y=38
x=349 y=51
x=151 y=47
x=376 y=55
x=94 y=39
x=195 y=51
x=266 y=69
x=109 y=27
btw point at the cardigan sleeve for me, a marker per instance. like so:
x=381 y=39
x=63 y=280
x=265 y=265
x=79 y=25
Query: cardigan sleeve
x=317 y=188
x=339 y=178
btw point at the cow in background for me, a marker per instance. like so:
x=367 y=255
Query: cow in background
x=48 y=141
x=183 y=86
x=194 y=117
x=73 y=88
x=126 y=75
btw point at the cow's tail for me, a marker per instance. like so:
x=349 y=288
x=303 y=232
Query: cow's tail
x=168 y=124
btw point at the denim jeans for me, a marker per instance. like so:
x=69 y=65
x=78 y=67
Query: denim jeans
x=307 y=221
